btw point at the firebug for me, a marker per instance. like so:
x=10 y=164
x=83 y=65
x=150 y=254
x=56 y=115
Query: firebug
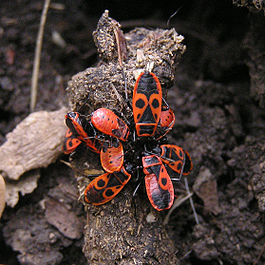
x=83 y=130
x=146 y=104
x=166 y=122
x=105 y=187
x=70 y=142
x=106 y=121
x=176 y=158
x=159 y=187
x=112 y=158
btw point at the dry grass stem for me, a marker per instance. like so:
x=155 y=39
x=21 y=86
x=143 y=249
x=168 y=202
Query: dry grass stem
x=36 y=64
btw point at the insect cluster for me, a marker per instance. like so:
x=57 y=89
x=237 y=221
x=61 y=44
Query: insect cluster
x=143 y=138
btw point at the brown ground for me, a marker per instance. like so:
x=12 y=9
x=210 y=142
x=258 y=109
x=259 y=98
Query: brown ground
x=218 y=98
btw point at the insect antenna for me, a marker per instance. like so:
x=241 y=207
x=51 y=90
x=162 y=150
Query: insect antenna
x=166 y=104
x=136 y=189
x=168 y=21
x=138 y=185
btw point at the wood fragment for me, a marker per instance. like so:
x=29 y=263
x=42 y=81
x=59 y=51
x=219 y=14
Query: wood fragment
x=35 y=142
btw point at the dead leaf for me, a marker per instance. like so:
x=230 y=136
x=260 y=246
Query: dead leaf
x=205 y=187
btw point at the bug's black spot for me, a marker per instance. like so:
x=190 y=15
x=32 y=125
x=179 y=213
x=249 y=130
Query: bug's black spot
x=181 y=154
x=101 y=183
x=155 y=116
x=138 y=116
x=155 y=103
x=110 y=162
x=70 y=143
x=179 y=166
x=109 y=193
x=140 y=103
x=164 y=181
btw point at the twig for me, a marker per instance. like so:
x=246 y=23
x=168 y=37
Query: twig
x=176 y=204
x=36 y=64
x=191 y=201
x=179 y=201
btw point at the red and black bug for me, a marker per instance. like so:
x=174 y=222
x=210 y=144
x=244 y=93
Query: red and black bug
x=159 y=187
x=74 y=122
x=146 y=103
x=70 y=142
x=176 y=158
x=107 y=122
x=112 y=158
x=166 y=122
x=84 y=131
x=105 y=187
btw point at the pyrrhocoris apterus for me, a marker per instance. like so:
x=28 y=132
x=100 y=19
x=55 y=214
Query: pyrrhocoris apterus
x=74 y=123
x=146 y=103
x=166 y=123
x=83 y=130
x=105 y=187
x=70 y=142
x=176 y=158
x=106 y=121
x=159 y=187
x=112 y=158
